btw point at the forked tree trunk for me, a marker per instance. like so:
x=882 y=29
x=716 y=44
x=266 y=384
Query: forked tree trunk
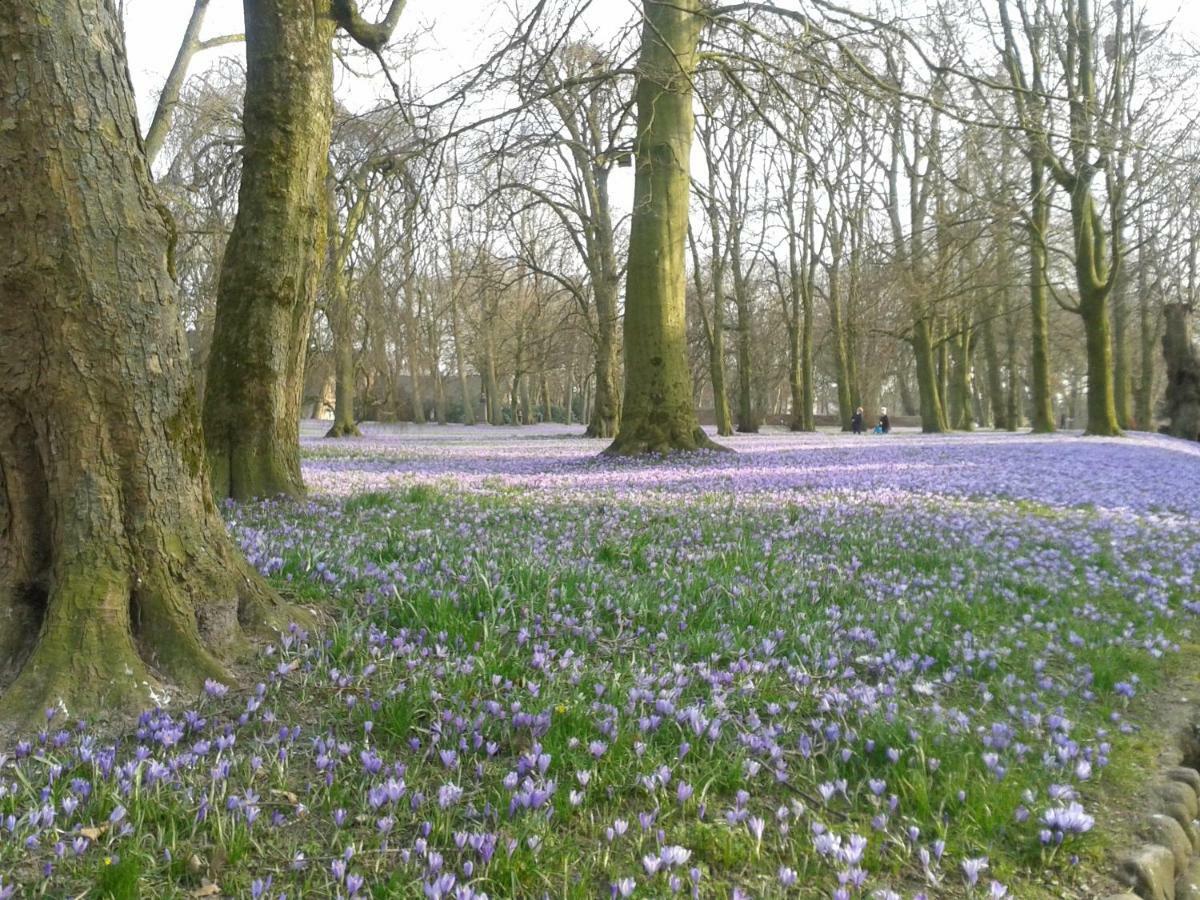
x=116 y=574
x=657 y=413
x=269 y=277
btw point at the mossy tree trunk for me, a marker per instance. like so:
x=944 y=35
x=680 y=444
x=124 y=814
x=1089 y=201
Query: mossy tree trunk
x=272 y=264
x=657 y=414
x=116 y=574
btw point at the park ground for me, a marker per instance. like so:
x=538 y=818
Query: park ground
x=884 y=666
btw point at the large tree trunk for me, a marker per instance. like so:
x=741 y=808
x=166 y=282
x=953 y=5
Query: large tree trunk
x=657 y=414
x=933 y=416
x=1183 y=374
x=269 y=277
x=116 y=573
x=1094 y=286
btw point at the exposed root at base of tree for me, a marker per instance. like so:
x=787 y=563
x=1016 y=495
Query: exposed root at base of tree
x=109 y=641
x=657 y=440
x=343 y=429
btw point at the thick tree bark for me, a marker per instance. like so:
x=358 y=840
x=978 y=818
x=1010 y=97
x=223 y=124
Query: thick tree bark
x=1183 y=373
x=268 y=285
x=272 y=264
x=116 y=574
x=657 y=414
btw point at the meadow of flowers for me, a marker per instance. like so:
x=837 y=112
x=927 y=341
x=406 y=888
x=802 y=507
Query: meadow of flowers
x=820 y=667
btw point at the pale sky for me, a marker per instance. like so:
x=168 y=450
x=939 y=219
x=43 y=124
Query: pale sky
x=453 y=33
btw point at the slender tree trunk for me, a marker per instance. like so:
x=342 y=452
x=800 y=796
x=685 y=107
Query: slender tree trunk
x=569 y=395
x=1122 y=377
x=341 y=324
x=795 y=376
x=995 y=381
x=164 y=112
x=115 y=567
x=963 y=349
x=747 y=419
x=272 y=263
x=460 y=364
x=413 y=352
x=841 y=353
x=607 y=409
x=657 y=414
x=606 y=414
x=907 y=402
x=808 y=386
x=1145 y=387
x=495 y=410
x=1039 y=385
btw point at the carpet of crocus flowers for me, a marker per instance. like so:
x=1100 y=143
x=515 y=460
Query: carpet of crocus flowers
x=823 y=666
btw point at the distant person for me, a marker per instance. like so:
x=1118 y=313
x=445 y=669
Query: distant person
x=856 y=421
x=885 y=424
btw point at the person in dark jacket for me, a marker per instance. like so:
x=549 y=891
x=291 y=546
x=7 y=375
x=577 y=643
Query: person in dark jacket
x=885 y=424
x=856 y=421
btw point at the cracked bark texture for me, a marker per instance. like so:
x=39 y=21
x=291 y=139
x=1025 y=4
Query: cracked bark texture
x=116 y=573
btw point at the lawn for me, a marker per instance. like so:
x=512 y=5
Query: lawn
x=824 y=666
